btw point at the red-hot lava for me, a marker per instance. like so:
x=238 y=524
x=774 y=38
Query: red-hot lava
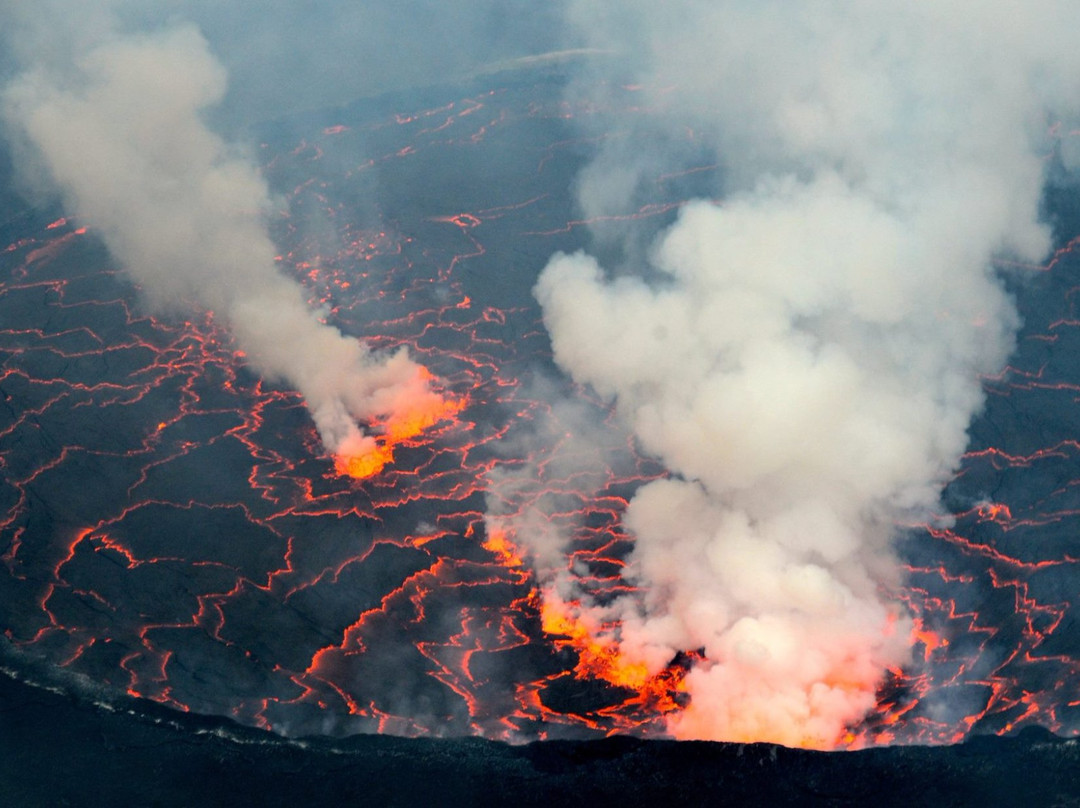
x=402 y=425
x=171 y=527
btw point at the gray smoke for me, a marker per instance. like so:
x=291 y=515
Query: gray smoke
x=115 y=119
x=805 y=356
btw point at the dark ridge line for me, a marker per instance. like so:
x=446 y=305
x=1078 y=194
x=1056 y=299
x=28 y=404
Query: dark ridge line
x=71 y=746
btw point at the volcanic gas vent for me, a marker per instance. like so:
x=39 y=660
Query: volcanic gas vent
x=598 y=425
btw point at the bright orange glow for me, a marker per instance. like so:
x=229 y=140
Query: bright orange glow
x=599 y=657
x=404 y=425
x=365 y=465
x=397 y=428
x=995 y=511
x=931 y=640
x=503 y=548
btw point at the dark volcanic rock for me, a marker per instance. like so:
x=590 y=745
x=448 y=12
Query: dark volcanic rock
x=66 y=749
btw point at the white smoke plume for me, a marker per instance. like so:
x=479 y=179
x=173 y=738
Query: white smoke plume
x=805 y=355
x=116 y=120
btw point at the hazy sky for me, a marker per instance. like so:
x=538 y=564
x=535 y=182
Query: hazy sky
x=284 y=55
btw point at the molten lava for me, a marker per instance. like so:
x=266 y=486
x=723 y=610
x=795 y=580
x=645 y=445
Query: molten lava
x=504 y=550
x=219 y=563
x=364 y=464
x=369 y=456
x=600 y=657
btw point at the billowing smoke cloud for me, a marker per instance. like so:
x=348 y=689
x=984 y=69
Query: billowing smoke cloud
x=805 y=356
x=116 y=121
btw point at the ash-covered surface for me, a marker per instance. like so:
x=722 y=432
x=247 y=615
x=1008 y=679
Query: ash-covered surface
x=62 y=749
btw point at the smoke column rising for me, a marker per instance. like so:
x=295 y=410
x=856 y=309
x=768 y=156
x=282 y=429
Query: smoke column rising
x=805 y=356
x=119 y=129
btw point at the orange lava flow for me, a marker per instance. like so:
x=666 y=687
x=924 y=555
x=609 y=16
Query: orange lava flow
x=930 y=640
x=503 y=548
x=600 y=657
x=367 y=464
x=397 y=428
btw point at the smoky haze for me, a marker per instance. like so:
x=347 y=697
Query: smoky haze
x=285 y=56
x=804 y=356
x=109 y=104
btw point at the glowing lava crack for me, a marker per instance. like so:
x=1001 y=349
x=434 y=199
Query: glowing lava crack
x=171 y=524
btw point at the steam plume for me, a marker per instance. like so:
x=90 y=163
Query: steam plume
x=806 y=357
x=119 y=128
